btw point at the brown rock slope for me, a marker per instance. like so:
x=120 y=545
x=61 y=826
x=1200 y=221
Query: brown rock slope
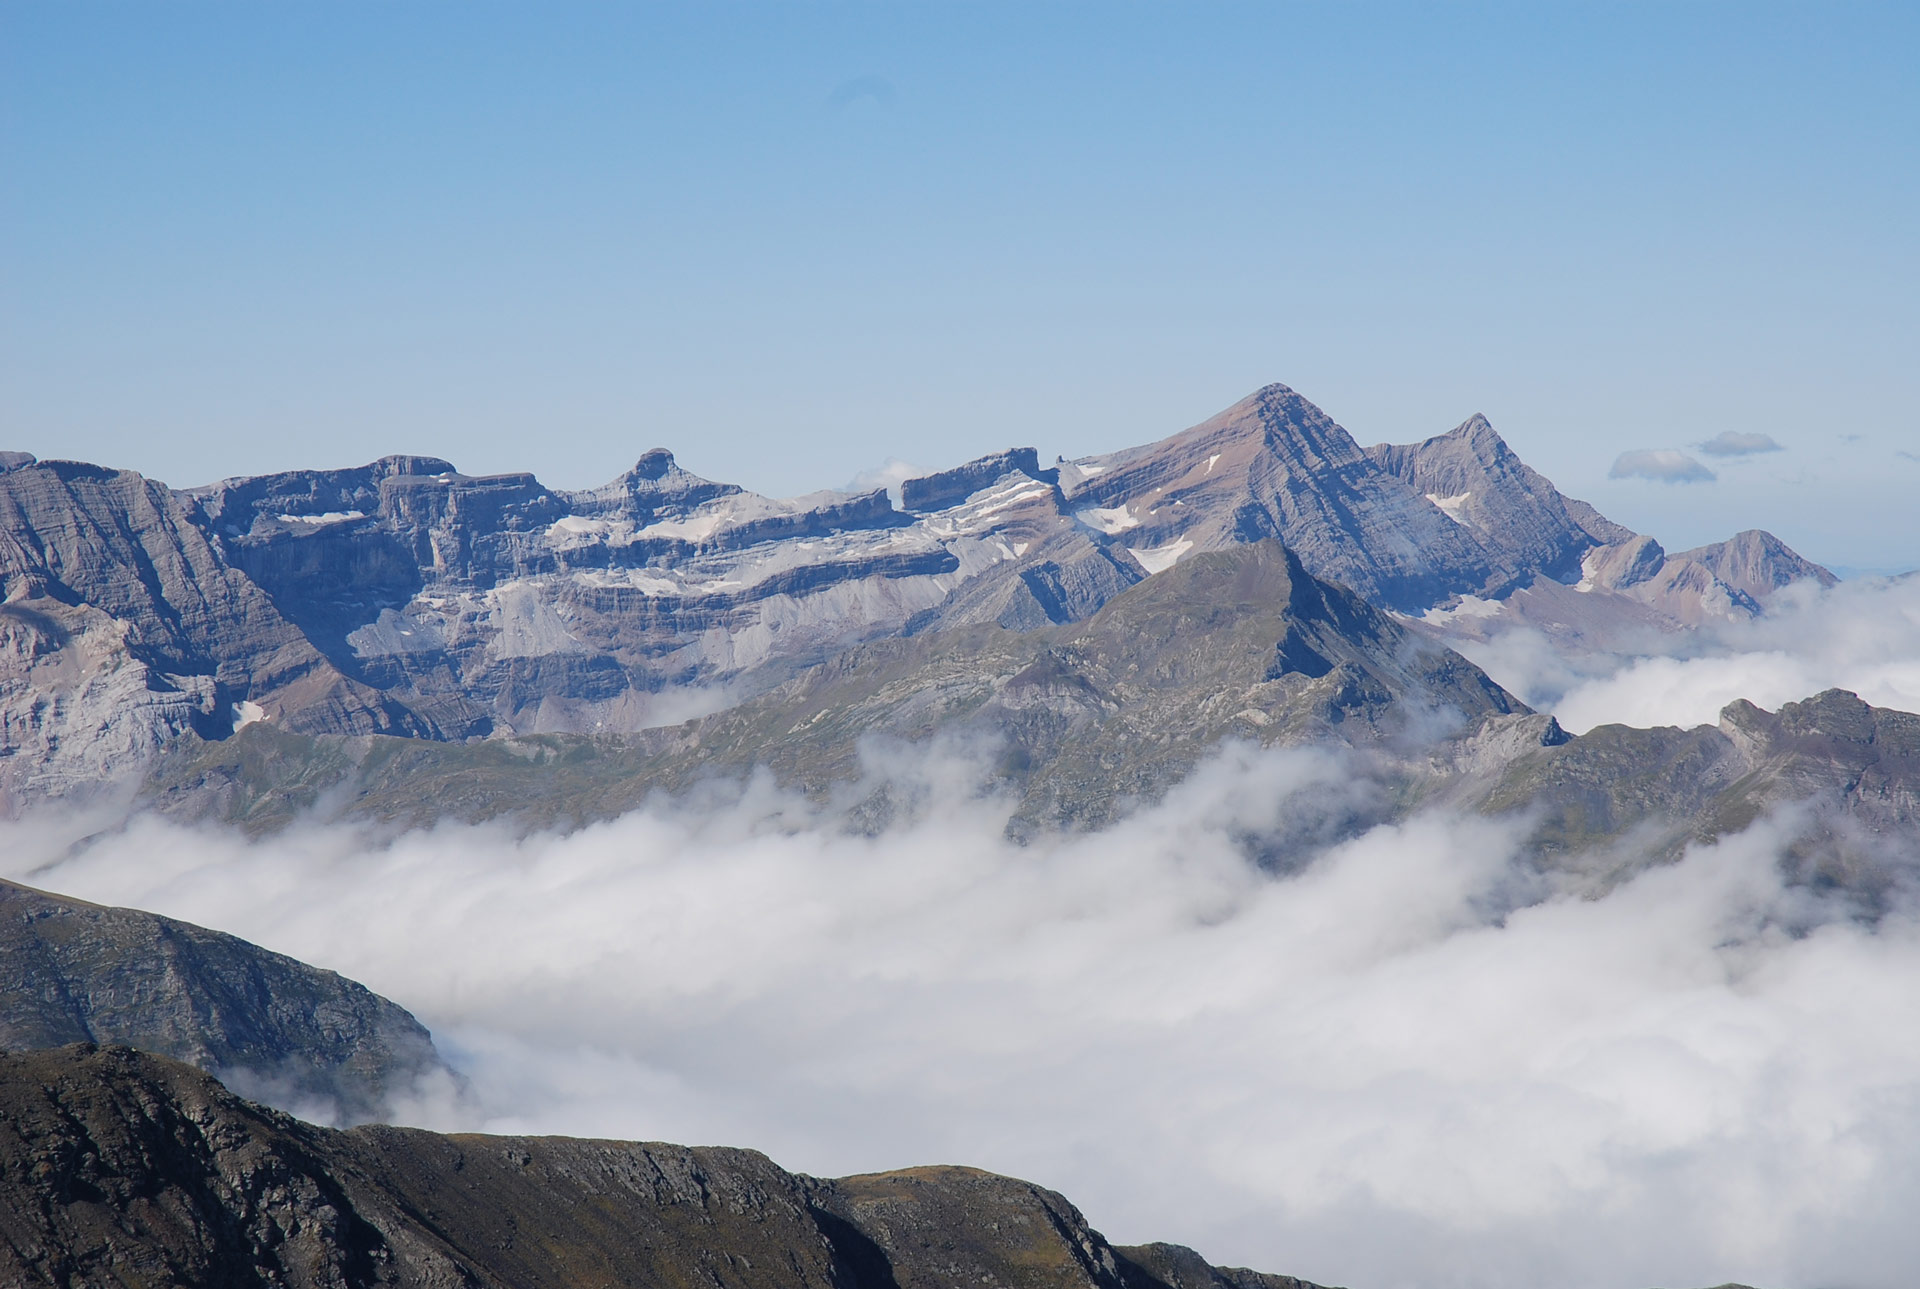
x=122 y=1169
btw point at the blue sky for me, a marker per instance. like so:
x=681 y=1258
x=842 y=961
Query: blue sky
x=790 y=241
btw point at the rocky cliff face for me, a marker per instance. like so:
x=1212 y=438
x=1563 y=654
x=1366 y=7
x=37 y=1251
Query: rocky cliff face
x=289 y=1033
x=120 y=1168
x=403 y=597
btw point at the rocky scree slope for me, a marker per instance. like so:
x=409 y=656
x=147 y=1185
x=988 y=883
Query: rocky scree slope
x=119 y=1168
x=405 y=598
x=288 y=1033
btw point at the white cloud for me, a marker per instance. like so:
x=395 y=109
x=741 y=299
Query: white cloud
x=1735 y=443
x=1663 y=465
x=1409 y=1063
x=889 y=475
x=1863 y=636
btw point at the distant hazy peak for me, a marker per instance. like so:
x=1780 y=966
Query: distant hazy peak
x=1481 y=483
x=1757 y=563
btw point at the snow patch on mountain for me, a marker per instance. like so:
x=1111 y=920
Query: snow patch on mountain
x=1111 y=520
x=1162 y=558
x=1453 y=507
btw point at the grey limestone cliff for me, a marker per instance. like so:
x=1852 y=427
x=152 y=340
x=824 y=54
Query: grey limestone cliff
x=1757 y=564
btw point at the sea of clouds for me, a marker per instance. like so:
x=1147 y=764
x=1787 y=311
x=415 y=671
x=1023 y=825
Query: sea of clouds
x=1863 y=636
x=1412 y=1060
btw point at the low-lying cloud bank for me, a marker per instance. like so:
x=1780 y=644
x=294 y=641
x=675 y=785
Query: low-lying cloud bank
x=1413 y=1062
x=1863 y=636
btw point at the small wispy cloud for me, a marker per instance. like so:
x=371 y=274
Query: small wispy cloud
x=847 y=93
x=1911 y=456
x=889 y=476
x=1734 y=443
x=1664 y=465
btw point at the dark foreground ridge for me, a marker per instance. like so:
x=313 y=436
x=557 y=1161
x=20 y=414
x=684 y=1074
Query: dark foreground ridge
x=271 y=1025
x=119 y=1168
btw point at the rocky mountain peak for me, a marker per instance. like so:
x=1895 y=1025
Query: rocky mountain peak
x=657 y=486
x=1479 y=436
x=1480 y=483
x=1286 y=425
x=1274 y=465
x=654 y=463
x=1838 y=714
x=407 y=464
x=1757 y=563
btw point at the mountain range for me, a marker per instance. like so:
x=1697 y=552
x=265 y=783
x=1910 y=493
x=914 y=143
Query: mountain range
x=400 y=644
x=404 y=598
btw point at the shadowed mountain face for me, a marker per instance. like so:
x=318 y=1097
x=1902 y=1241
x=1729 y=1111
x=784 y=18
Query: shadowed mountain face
x=1079 y=721
x=288 y=1033
x=120 y=1168
x=405 y=598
